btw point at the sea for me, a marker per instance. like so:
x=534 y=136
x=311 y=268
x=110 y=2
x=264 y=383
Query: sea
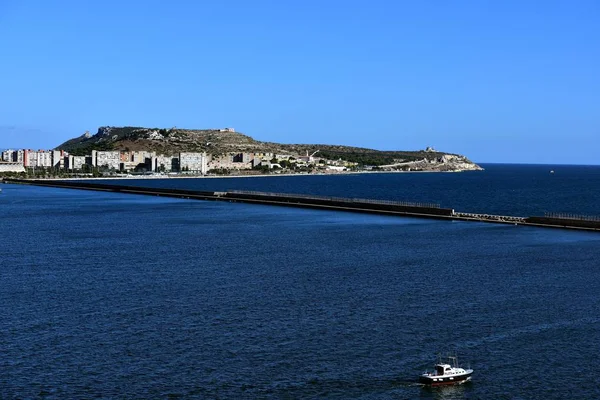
x=115 y=296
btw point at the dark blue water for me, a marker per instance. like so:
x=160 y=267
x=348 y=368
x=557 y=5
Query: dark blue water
x=105 y=295
x=520 y=190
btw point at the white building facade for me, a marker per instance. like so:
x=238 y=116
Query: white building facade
x=11 y=167
x=161 y=163
x=195 y=162
x=75 y=163
x=107 y=159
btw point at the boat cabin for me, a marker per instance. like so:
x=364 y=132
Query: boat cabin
x=443 y=369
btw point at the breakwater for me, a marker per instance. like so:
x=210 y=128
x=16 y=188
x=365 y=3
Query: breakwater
x=384 y=207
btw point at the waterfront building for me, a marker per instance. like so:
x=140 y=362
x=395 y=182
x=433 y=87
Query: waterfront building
x=162 y=163
x=33 y=159
x=233 y=161
x=58 y=157
x=242 y=157
x=29 y=158
x=11 y=167
x=9 y=155
x=131 y=160
x=196 y=162
x=19 y=156
x=43 y=159
x=107 y=159
x=256 y=161
x=75 y=163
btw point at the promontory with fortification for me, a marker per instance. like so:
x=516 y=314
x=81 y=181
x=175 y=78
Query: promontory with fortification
x=114 y=151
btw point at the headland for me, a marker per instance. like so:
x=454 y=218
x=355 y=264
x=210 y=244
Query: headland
x=124 y=151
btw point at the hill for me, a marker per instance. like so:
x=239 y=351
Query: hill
x=219 y=142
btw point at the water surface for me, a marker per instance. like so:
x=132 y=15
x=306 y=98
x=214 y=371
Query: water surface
x=109 y=295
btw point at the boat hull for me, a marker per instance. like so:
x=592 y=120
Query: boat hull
x=436 y=380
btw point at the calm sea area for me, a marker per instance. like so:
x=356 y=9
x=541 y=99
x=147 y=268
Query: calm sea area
x=106 y=295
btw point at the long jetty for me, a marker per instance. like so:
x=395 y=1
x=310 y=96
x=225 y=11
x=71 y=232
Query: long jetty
x=382 y=207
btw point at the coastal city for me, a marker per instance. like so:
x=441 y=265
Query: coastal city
x=126 y=151
x=113 y=163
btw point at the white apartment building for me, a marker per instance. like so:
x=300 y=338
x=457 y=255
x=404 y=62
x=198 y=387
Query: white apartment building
x=43 y=159
x=109 y=159
x=196 y=162
x=75 y=163
x=8 y=155
x=39 y=159
x=58 y=159
x=19 y=156
x=161 y=163
x=30 y=158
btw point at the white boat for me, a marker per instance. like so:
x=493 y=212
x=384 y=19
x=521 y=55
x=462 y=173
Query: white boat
x=447 y=373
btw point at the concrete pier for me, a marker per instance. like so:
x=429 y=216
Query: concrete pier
x=383 y=207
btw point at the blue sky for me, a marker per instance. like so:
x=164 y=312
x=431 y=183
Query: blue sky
x=498 y=81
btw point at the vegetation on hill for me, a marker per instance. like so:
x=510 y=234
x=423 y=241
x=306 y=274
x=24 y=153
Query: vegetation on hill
x=217 y=142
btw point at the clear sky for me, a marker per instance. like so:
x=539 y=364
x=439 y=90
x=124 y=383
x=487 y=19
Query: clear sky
x=498 y=81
